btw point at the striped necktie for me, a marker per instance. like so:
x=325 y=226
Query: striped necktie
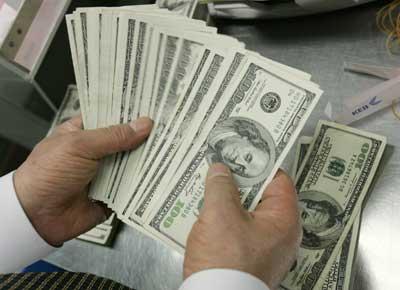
x=57 y=281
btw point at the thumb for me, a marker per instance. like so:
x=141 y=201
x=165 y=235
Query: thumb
x=221 y=193
x=98 y=143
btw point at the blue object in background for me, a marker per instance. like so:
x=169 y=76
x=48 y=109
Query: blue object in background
x=42 y=266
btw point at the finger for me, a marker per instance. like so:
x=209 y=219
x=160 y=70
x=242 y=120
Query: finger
x=279 y=209
x=221 y=192
x=98 y=143
x=279 y=196
x=72 y=125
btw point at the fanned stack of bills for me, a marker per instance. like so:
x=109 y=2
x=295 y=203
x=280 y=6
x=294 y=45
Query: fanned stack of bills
x=334 y=171
x=211 y=100
x=104 y=233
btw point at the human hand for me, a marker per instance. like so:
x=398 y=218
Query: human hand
x=263 y=243
x=52 y=183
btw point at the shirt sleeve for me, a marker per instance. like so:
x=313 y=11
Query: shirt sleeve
x=222 y=279
x=20 y=244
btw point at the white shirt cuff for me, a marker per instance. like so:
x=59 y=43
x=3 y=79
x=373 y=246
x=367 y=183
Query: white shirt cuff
x=222 y=279
x=20 y=244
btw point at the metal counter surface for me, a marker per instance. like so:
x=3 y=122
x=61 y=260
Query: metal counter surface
x=318 y=45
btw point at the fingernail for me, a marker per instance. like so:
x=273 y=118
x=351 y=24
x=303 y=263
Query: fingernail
x=141 y=125
x=218 y=169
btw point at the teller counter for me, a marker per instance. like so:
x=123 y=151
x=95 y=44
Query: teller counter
x=318 y=45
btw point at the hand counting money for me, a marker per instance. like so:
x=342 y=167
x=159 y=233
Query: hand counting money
x=211 y=101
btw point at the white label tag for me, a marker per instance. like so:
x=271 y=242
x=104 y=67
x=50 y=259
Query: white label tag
x=370 y=101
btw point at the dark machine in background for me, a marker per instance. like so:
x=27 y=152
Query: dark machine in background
x=253 y=9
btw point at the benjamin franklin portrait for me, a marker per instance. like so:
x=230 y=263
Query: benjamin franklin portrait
x=245 y=146
x=322 y=219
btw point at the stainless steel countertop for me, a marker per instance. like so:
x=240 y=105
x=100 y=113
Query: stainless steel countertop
x=318 y=45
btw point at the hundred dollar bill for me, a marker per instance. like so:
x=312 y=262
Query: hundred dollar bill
x=130 y=161
x=102 y=235
x=199 y=70
x=182 y=7
x=178 y=63
x=159 y=42
x=167 y=172
x=132 y=34
x=121 y=52
x=93 y=19
x=332 y=184
x=190 y=52
x=193 y=138
x=126 y=47
x=143 y=103
x=303 y=144
x=339 y=276
x=123 y=45
x=131 y=109
x=124 y=93
x=81 y=37
x=69 y=108
x=202 y=97
x=72 y=35
x=109 y=62
x=264 y=110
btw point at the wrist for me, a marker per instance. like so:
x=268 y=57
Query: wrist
x=23 y=195
x=31 y=208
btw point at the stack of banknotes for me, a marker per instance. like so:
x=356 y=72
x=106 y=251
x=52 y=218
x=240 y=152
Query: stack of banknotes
x=211 y=101
x=103 y=234
x=334 y=171
x=210 y=98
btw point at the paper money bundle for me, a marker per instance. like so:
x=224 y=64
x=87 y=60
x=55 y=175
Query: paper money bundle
x=69 y=108
x=334 y=171
x=103 y=234
x=211 y=101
